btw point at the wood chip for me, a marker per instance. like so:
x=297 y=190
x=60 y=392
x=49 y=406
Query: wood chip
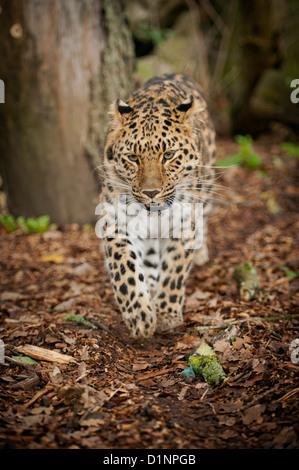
x=27 y=383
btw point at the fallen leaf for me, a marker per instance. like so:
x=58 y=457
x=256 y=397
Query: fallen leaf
x=92 y=422
x=83 y=269
x=51 y=235
x=81 y=371
x=11 y=296
x=212 y=302
x=187 y=342
x=226 y=420
x=54 y=258
x=199 y=295
x=56 y=376
x=227 y=335
x=68 y=392
x=140 y=366
x=183 y=392
x=47 y=410
x=193 y=299
x=253 y=414
x=65 y=305
x=238 y=343
x=221 y=345
x=24 y=359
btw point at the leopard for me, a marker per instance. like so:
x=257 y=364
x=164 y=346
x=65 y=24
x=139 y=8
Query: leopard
x=159 y=157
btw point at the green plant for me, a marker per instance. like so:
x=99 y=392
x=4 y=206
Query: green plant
x=39 y=225
x=291 y=149
x=8 y=222
x=246 y=155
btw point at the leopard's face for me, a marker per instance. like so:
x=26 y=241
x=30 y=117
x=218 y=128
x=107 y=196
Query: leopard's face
x=154 y=150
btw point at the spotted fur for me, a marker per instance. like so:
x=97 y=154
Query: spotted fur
x=159 y=154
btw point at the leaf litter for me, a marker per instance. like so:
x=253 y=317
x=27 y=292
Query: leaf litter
x=98 y=388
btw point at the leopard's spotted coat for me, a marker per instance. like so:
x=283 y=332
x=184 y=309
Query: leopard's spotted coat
x=159 y=152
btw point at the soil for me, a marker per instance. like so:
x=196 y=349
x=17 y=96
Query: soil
x=116 y=393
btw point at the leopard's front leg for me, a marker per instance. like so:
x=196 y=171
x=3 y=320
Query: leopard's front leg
x=128 y=281
x=175 y=265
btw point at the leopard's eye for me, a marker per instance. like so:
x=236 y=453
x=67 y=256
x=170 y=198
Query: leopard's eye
x=168 y=155
x=132 y=157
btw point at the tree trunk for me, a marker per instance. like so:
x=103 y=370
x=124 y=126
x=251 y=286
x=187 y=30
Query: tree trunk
x=62 y=63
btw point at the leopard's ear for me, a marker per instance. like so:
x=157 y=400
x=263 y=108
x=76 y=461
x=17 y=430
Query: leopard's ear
x=186 y=105
x=188 y=108
x=122 y=107
x=120 y=111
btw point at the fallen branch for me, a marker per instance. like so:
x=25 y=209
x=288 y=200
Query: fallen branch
x=25 y=384
x=43 y=354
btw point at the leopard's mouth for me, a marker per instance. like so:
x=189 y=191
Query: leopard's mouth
x=159 y=206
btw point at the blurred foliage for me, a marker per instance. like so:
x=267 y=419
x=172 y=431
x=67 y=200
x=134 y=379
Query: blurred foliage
x=39 y=225
x=246 y=155
x=291 y=149
x=147 y=32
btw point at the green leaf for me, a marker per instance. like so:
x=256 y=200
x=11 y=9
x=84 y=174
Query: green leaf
x=252 y=161
x=243 y=140
x=205 y=350
x=8 y=221
x=230 y=161
x=43 y=223
x=291 y=274
x=22 y=224
x=39 y=225
x=246 y=153
x=24 y=359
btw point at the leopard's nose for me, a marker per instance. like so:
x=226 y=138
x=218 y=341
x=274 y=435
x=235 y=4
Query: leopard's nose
x=151 y=194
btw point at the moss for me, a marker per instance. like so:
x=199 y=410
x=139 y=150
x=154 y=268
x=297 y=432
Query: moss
x=209 y=367
x=81 y=320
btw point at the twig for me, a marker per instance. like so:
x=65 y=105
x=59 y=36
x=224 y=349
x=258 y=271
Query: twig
x=287 y=395
x=257 y=398
x=40 y=394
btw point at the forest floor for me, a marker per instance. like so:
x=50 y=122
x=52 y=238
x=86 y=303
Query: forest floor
x=116 y=393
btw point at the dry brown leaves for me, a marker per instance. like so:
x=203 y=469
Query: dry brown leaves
x=116 y=393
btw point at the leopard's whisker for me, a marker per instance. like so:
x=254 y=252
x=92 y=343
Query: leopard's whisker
x=199 y=197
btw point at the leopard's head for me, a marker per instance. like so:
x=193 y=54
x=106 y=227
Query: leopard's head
x=153 y=146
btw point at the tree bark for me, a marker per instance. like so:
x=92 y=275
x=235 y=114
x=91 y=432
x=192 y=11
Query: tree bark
x=63 y=63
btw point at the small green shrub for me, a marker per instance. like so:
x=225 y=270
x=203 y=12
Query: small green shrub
x=8 y=222
x=39 y=225
x=246 y=155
